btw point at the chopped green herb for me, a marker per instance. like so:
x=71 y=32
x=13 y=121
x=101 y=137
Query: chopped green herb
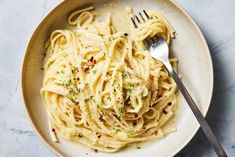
x=130 y=135
x=69 y=82
x=142 y=95
x=98 y=106
x=62 y=71
x=124 y=74
x=73 y=69
x=138 y=147
x=119 y=87
x=87 y=99
x=129 y=86
x=102 y=112
x=71 y=91
x=117 y=128
x=70 y=97
x=121 y=110
x=94 y=71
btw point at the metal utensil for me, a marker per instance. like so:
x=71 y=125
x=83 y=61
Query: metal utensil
x=158 y=48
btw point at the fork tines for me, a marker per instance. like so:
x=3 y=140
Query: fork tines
x=135 y=17
x=149 y=41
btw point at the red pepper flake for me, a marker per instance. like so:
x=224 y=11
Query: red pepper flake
x=77 y=103
x=156 y=133
x=92 y=65
x=98 y=135
x=164 y=112
x=85 y=67
x=95 y=61
x=136 y=115
x=91 y=59
x=53 y=129
x=72 y=100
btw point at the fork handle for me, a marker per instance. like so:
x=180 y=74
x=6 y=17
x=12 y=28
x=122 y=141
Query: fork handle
x=202 y=121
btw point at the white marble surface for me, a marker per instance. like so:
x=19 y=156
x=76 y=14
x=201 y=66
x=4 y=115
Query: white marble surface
x=18 y=19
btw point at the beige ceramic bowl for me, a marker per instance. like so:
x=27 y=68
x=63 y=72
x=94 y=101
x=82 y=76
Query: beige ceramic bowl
x=189 y=47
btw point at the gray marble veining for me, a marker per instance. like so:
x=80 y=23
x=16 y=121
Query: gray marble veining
x=18 y=19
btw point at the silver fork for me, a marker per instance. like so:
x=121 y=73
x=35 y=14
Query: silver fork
x=159 y=50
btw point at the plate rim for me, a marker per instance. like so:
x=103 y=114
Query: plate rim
x=59 y=5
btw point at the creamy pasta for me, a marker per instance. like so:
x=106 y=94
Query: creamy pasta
x=101 y=87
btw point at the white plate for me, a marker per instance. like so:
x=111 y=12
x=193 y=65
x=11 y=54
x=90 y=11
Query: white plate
x=189 y=47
